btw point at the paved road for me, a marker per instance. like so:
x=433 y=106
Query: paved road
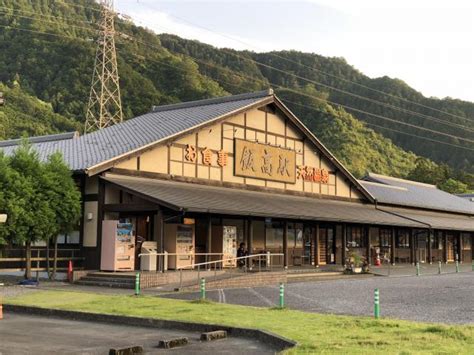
x=21 y=334
x=435 y=298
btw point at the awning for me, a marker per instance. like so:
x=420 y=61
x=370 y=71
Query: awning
x=238 y=202
x=437 y=220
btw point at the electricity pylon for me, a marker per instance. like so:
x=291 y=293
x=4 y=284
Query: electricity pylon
x=105 y=105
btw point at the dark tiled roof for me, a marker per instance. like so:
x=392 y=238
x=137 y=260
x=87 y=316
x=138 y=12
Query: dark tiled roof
x=399 y=192
x=221 y=200
x=41 y=139
x=436 y=220
x=164 y=122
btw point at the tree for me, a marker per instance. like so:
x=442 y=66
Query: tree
x=64 y=199
x=453 y=186
x=36 y=219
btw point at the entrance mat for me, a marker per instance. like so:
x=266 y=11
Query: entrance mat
x=277 y=342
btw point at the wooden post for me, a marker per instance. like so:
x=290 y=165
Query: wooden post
x=445 y=247
x=344 y=244
x=460 y=247
x=393 y=247
x=250 y=236
x=430 y=239
x=209 y=238
x=285 y=245
x=317 y=257
x=412 y=247
x=367 y=239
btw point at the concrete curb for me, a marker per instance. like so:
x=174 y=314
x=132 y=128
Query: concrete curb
x=276 y=341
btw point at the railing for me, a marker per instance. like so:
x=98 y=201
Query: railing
x=235 y=265
x=14 y=256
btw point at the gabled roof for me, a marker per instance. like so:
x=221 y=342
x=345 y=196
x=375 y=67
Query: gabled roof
x=98 y=151
x=91 y=150
x=400 y=192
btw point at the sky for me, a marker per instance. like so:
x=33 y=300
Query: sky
x=427 y=44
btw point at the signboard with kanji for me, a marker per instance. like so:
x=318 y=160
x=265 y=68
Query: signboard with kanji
x=263 y=161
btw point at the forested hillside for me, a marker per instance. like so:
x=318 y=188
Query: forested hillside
x=52 y=73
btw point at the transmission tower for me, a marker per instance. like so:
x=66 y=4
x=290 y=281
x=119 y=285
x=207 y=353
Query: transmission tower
x=105 y=105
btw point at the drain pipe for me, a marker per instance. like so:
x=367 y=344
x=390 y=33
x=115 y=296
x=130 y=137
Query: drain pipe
x=430 y=227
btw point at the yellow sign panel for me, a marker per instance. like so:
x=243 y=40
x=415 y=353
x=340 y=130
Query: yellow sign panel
x=263 y=161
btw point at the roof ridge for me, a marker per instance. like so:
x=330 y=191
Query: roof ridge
x=383 y=185
x=215 y=100
x=41 y=139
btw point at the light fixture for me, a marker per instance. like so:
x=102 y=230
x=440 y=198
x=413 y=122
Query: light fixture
x=90 y=216
x=3 y=218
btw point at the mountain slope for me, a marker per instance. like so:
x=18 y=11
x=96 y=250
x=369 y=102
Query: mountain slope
x=168 y=69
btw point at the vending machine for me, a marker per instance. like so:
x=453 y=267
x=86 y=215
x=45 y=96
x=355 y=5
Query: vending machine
x=179 y=239
x=118 y=246
x=224 y=240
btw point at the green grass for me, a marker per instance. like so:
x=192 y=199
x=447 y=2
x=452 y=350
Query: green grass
x=315 y=333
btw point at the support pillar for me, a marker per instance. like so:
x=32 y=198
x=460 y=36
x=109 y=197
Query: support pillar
x=158 y=236
x=430 y=241
x=209 y=238
x=285 y=245
x=317 y=257
x=368 y=250
x=460 y=258
x=412 y=247
x=392 y=247
x=445 y=247
x=249 y=236
x=344 y=244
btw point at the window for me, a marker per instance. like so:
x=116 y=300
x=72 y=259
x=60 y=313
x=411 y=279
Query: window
x=385 y=237
x=438 y=241
x=356 y=237
x=69 y=238
x=274 y=235
x=403 y=239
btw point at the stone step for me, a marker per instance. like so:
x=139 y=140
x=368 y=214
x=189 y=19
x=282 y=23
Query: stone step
x=108 y=279
x=114 y=275
x=104 y=284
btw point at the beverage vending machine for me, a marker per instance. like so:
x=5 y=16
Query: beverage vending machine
x=224 y=240
x=118 y=246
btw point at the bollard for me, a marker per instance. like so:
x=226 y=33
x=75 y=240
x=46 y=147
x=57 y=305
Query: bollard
x=457 y=265
x=70 y=271
x=439 y=267
x=282 y=295
x=137 y=284
x=376 y=304
x=203 y=288
x=417 y=268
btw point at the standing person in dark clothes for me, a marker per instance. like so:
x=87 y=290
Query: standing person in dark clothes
x=240 y=253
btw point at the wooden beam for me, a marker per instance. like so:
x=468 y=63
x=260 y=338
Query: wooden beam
x=445 y=247
x=368 y=250
x=118 y=207
x=412 y=247
x=209 y=237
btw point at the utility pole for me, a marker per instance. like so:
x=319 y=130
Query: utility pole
x=105 y=105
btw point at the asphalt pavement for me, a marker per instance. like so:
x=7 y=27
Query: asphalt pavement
x=25 y=334
x=447 y=298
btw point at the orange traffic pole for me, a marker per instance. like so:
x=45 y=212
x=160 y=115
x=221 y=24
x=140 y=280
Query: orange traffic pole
x=69 y=271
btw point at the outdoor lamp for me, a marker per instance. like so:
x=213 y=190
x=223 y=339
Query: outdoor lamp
x=3 y=218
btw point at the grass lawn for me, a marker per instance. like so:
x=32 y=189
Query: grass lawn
x=314 y=332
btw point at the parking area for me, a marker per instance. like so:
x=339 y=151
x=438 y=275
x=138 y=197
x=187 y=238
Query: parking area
x=446 y=298
x=21 y=334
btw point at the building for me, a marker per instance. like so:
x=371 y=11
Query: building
x=201 y=177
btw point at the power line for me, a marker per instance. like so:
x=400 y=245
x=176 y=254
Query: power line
x=282 y=87
x=329 y=86
x=49 y=21
x=318 y=98
x=315 y=69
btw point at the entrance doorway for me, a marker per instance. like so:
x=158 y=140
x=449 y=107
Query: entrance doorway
x=421 y=245
x=327 y=245
x=452 y=247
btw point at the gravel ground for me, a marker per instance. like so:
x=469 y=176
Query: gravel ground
x=434 y=298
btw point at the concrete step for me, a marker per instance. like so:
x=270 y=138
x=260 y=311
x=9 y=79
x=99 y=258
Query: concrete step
x=114 y=275
x=108 y=279
x=323 y=276
x=105 y=284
